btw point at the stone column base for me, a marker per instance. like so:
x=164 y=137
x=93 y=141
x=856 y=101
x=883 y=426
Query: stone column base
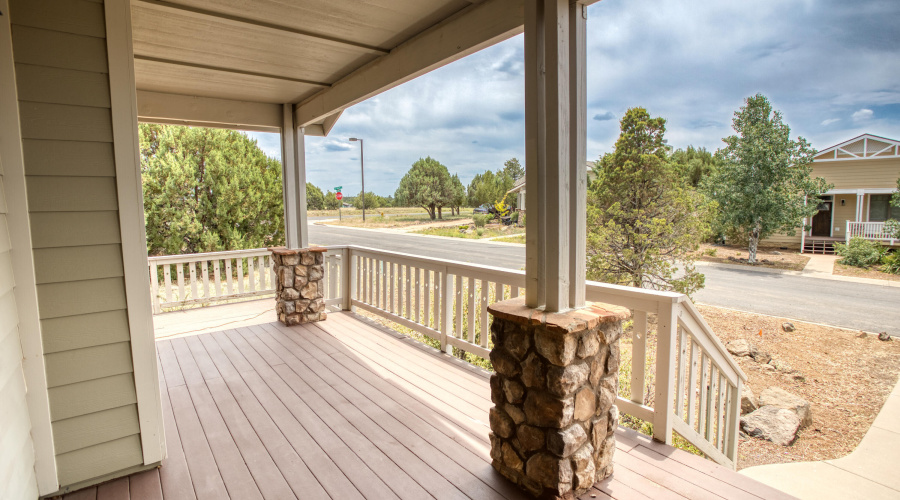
x=554 y=391
x=299 y=290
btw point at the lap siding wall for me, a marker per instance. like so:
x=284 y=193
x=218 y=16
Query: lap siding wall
x=64 y=98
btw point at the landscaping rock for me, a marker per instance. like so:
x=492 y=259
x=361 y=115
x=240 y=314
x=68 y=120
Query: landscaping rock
x=780 y=398
x=739 y=347
x=776 y=252
x=759 y=356
x=788 y=327
x=772 y=423
x=862 y=335
x=749 y=403
x=884 y=337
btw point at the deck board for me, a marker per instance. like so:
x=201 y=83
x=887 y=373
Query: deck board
x=345 y=409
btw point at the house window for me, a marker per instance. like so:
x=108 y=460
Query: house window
x=880 y=208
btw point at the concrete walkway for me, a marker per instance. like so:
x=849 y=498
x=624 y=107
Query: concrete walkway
x=820 y=265
x=869 y=472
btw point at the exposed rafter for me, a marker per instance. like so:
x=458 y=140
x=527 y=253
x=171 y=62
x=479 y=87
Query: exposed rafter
x=237 y=21
x=863 y=147
x=469 y=31
x=158 y=107
x=230 y=70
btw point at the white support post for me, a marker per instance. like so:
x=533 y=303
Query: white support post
x=123 y=108
x=555 y=126
x=348 y=281
x=293 y=156
x=578 y=148
x=446 y=310
x=847 y=233
x=859 y=204
x=666 y=326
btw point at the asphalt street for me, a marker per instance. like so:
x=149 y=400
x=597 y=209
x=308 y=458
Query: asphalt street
x=872 y=308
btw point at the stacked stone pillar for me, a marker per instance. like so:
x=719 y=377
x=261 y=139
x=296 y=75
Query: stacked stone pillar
x=299 y=291
x=554 y=391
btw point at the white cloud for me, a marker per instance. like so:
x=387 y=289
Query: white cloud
x=829 y=121
x=863 y=114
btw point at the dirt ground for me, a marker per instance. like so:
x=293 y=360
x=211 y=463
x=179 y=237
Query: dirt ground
x=859 y=272
x=845 y=378
x=790 y=260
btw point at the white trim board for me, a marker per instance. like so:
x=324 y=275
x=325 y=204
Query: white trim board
x=37 y=397
x=123 y=99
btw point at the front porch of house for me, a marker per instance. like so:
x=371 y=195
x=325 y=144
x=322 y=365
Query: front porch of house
x=346 y=408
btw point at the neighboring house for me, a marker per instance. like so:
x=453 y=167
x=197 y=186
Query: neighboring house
x=519 y=186
x=864 y=171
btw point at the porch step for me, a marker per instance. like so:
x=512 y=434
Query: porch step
x=819 y=246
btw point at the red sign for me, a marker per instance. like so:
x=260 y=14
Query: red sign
x=338 y=195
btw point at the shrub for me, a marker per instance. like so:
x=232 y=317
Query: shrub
x=514 y=218
x=711 y=252
x=859 y=252
x=480 y=219
x=891 y=262
x=479 y=232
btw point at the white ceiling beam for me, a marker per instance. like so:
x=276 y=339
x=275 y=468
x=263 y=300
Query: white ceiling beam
x=238 y=21
x=469 y=31
x=230 y=70
x=157 y=107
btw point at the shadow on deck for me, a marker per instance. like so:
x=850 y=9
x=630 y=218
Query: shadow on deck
x=347 y=409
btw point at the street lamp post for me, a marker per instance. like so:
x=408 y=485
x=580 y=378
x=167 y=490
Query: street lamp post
x=362 y=172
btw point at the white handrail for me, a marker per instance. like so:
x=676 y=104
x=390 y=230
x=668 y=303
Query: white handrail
x=210 y=277
x=698 y=384
x=869 y=231
x=447 y=300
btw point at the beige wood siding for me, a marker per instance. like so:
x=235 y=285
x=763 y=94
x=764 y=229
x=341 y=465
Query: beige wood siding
x=859 y=174
x=843 y=213
x=16 y=447
x=64 y=98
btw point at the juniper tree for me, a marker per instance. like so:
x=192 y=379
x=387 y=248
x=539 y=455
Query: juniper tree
x=427 y=184
x=765 y=184
x=643 y=220
x=208 y=190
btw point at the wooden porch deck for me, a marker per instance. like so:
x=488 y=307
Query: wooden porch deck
x=346 y=409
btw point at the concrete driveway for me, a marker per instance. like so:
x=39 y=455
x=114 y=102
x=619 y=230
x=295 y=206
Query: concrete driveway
x=873 y=308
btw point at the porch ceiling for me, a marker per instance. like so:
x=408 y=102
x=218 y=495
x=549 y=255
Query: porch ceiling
x=272 y=51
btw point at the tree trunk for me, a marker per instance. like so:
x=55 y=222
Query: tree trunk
x=430 y=209
x=440 y=213
x=754 y=243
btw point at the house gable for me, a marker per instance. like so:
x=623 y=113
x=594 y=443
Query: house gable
x=863 y=147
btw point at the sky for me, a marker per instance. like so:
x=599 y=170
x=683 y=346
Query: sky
x=831 y=67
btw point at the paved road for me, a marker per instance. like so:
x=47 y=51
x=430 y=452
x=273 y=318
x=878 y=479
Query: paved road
x=866 y=307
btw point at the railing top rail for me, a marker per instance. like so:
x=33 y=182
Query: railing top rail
x=691 y=309
x=253 y=252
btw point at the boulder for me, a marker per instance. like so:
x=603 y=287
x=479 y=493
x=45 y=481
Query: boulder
x=759 y=356
x=749 y=404
x=739 y=347
x=788 y=327
x=780 y=398
x=884 y=336
x=772 y=423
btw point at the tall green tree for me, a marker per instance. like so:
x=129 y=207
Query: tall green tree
x=489 y=188
x=427 y=184
x=315 y=200
x=512 y=169
x=765 y=184
x=644 y=221
x=458 y=198
x=695 y=164
x=208 y=190
x=372 y=200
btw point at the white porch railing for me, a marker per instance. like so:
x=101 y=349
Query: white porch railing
x=697 y=383
x=206 y=278
x=869 y=231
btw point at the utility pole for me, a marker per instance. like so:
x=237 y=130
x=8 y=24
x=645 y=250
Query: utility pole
x=362 y=171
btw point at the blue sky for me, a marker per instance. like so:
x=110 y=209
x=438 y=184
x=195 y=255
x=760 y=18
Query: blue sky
x=832 y=68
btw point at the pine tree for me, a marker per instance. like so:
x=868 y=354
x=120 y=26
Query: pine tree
x=427 y=184
x=643 y=220
x=315 y=200
x=208 y=190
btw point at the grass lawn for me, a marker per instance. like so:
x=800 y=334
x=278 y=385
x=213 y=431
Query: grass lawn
x=489 y=232
x=519 y=238
x=873 y=272
x=791 y=260
x=388 y=221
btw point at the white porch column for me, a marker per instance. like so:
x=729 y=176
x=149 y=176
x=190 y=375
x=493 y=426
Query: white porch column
x=293 y=165
x=859 y=205
x=555 y=159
